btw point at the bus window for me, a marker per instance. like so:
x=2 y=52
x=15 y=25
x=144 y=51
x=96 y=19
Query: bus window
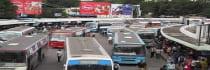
x=12 y=57
x=91 y=24
x=132 y=51
x=58 y=37
x=147 y=36
x=89 y=67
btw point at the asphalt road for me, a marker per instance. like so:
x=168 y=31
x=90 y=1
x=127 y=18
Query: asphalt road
x=50 y=62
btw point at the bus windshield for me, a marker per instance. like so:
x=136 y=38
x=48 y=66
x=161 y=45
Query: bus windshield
x=147 y=36
x=58 y=37
x=129 y=51
x=90 y=67
x=91 y=24
x=12 y=58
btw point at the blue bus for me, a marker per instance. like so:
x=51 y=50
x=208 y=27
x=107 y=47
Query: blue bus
x=128 y=48
x=85 y=53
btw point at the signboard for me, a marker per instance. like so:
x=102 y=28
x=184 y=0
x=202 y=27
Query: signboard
x=94 y=8
x=28 y=7
x=121 y=9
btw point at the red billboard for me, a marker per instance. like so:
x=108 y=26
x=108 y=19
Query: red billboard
x=94 y=8
x=30 y=7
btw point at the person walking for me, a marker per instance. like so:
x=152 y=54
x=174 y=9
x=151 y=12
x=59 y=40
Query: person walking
x=116 y=66
x=170 y=66
x=181 y=60
x=158 y=52
x=59 y=54
x=142 y=65
x=152 y=53
x=204 y=64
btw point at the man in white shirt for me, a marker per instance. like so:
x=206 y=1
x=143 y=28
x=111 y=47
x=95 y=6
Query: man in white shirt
x=59 y=54
x=171 y=66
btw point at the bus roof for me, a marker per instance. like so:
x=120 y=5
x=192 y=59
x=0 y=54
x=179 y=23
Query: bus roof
x=71 y=29
x=20 y=29
x=125 y=37
x=23 y=42
x=84 y=47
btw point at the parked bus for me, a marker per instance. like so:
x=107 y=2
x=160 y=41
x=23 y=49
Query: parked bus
x=23 y=53
x=16 y=32
x=85 y=53
x=147 y=35
x=57 y=37
x=95 y=26
x=128 y=48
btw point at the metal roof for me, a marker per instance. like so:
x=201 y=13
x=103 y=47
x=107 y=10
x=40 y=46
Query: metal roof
x=84 y=46
x=71 y=29
x=173 y=33
x=20 y=28
x=23 y=42
x=127 y=37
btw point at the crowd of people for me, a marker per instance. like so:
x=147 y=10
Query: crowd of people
x=177 y=56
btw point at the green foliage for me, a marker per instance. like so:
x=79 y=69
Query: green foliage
x=63 y=3
x=175 y=8
x=50 y=13
x=7 y=9
x=206 y=11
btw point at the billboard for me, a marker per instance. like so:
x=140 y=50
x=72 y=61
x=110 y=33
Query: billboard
x=29 y=7
x=94 y=8
x=121 y=9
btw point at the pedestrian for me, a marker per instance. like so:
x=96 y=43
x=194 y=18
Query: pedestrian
x=142 y=65
x=171 y=66
x=163 y=68
x=59 y=54
x=194 y=64
x=169 y=51
x=204 y=64
x=158 y=51
x=152 y=53
x=181 y=60
x=116 y=66
x=187 y=66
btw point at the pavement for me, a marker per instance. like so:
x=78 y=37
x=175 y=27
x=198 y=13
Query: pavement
x=50 y=62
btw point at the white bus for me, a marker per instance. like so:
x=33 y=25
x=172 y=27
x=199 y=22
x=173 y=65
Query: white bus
x=23 y=53
x=16 y=32
x=85 y=53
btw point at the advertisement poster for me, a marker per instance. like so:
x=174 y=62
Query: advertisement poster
x=29 y=7
x=121 y=9
x=94 y=8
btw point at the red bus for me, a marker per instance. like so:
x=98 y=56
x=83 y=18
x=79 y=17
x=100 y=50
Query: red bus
x=57 y=37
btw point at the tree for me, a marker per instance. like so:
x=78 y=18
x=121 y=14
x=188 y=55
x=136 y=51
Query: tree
x=206 y=11
x=50 y=13
x=7 y=9
x=63 y=3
